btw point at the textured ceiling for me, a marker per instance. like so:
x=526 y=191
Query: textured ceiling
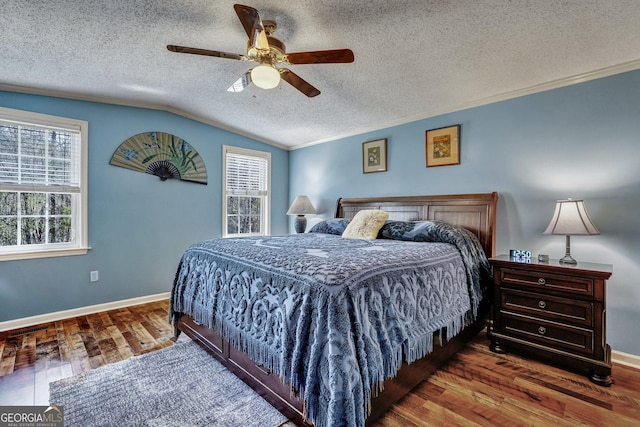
x=413 y=59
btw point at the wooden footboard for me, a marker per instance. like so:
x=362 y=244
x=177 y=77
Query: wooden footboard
x=276 y=392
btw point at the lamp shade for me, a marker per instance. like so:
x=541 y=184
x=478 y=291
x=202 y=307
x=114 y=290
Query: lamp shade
x=571 y=219
x=301 y=206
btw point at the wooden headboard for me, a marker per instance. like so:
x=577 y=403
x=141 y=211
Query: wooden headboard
x=475 y=212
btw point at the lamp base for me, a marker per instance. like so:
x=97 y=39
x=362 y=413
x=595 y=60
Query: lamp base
x=568 y=259
x=300 y=224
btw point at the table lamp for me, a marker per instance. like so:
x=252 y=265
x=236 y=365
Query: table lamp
x=300 y=207
x=570 y=219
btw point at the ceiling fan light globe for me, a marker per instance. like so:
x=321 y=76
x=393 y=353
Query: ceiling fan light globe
x=265 y=76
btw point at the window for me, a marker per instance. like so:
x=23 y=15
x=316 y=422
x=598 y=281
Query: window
x=43 y=180
x=245 y=192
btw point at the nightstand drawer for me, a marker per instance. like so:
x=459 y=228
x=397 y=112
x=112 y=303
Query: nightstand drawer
x=573 y=339
x=548 y=282
x=548 y=307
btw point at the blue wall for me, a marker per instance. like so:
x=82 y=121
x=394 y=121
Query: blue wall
x=580 y=141
x=138 y=225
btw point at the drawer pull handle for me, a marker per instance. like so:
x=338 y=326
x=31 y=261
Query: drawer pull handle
x=542 y=330
x=541 y=281
x=542 y=304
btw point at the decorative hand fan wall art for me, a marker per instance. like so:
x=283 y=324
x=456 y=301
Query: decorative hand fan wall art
x=163 y=155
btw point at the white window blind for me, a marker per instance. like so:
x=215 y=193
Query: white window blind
x=246 y=175
x=35 y=158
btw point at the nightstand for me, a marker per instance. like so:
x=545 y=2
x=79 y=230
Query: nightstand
x=553 y=311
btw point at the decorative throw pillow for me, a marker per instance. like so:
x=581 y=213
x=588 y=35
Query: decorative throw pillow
x=365 y=224
x=395 y=229
x=417 y=231
x=330 y=226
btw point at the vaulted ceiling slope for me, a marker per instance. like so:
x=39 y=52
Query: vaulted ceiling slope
x=413 y=58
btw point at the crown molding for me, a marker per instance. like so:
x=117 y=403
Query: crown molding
x=137 y=104
x=542 y=87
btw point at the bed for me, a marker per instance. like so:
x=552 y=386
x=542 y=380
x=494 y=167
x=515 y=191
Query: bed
x=333 y=331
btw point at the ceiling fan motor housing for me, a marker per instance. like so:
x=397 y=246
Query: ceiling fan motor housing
x=275 y=53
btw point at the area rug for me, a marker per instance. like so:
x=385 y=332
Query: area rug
x=177 y=386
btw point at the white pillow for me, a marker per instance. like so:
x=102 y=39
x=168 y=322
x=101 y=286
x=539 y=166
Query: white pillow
x=365 y=224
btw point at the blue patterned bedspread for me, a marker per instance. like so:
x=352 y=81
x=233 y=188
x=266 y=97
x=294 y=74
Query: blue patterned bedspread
x=332 y=317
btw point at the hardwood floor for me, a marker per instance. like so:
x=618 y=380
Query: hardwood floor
x=480 y=388
x=30 y=360
x=475 y=388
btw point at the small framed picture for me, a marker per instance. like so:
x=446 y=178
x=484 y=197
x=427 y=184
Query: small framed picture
x=443 y=146
x=374 y=156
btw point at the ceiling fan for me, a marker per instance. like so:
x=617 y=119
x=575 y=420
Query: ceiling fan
x=268 y=51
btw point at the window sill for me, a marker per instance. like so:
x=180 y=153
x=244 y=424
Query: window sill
x=43 y=254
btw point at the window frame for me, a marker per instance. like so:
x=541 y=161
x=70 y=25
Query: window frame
x=80 y=203
x=266 y=212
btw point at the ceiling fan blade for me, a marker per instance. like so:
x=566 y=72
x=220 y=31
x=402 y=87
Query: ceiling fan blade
x=336 y=56
x=241 y=83
x=297 y=82
x=252 y=24
x=205 y=52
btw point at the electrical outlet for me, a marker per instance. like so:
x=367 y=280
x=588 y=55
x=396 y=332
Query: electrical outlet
x=94 y=276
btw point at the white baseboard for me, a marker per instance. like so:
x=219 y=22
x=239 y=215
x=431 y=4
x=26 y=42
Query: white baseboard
x=630 y=360
x=81 y=311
